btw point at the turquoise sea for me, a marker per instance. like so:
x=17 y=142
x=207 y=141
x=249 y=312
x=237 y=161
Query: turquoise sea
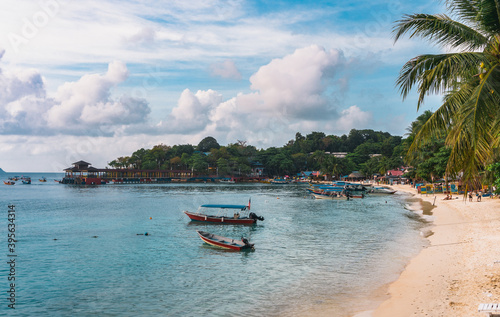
x=81 y=251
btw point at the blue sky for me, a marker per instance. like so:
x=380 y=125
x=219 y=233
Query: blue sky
x=95 y=80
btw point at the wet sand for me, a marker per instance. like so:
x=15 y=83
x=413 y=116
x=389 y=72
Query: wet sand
x=458 y=270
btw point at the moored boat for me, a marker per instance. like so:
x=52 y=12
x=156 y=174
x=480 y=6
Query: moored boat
x=384 y=190
x=279 y=181
x=26 y=180
x=330 y=196
x=43 y=180
x=224 y=214
x=225 y=243
x=227 y=181
x=9 y=182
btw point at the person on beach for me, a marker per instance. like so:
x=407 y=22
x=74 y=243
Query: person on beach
x=470 y=196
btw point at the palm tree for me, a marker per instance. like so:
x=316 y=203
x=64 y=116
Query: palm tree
x=469 y=78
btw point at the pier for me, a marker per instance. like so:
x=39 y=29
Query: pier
x=82 y=173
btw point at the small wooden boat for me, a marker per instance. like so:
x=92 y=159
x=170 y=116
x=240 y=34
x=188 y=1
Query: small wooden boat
x=383 y=190
x=26 y=180
x=224 y=214
x=43 y=180
x=225 y=243
x=329 y=196
x=227 y=181
x=279 y=181
x=9 y=182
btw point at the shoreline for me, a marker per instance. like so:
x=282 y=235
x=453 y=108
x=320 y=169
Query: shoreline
x=458 y=270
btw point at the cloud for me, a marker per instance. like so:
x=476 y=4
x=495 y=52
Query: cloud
x=226 y=69
x=294 y=85
x=83 y=107
x=192 y=113
x=290 y=94
x=145 y=36
x=352 y=118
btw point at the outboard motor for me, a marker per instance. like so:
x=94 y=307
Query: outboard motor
x=248 y=244
x=255 y=217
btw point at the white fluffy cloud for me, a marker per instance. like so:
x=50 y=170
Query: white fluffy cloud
x=290 y=94
x=81 y=107
x=192 y=113
x=294 y=85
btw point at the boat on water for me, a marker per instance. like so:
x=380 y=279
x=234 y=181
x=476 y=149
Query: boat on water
x=279 y=181
x=9 y=182
x=342 y=190
x=354 y=190
x=224 y=214
x=227 y=181
x=331 y=196
x=43 y=179
x=382 y=190
x=26 y=180
x=225 y=243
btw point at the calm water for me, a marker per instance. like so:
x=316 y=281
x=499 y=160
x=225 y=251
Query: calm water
x=80 y=251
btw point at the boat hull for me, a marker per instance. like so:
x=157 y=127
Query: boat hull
x=330 y=197
x=219 y=220
x=223 y=242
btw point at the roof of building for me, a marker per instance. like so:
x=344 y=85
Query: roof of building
x=81 y=163
x=395 y=173
x=355 y=174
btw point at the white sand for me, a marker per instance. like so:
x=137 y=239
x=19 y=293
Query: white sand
x=459 y=270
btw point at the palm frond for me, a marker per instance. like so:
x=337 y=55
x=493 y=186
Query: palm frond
x=471 y=135
x=465 y=9
x=489 y=16
x=440 y=29
x=437 y=73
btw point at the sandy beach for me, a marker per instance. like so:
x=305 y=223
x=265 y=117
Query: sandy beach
x=458 y=270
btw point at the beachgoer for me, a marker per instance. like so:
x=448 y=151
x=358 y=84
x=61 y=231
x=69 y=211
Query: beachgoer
x=470 y=196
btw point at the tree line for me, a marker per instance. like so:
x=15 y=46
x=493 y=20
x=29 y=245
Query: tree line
x=367 y=151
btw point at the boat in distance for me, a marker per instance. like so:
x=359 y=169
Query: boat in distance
x=225 y=243
x=381 y=190
x=224 y=214
x=329 y=196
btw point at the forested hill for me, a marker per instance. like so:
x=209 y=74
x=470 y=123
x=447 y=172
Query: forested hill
x=365 y=150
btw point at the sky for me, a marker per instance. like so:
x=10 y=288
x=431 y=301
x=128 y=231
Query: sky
x=96 y=80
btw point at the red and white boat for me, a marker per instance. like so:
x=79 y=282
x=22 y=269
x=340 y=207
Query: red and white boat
x=225 y=243
x=224 y=214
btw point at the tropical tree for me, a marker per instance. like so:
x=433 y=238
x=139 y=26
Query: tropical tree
x=207 y=144
x=468 y=76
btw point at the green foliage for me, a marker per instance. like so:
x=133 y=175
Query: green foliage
x=207 y=144
x=468 y=77
x=312 y=152
x=494 y=169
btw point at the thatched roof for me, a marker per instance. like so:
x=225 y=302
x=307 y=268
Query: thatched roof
x=355 y=174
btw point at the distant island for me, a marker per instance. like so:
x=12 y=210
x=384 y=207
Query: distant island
x=2 y=171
